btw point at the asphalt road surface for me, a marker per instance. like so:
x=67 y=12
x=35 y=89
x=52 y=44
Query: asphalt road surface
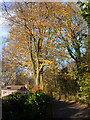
x=71 y=111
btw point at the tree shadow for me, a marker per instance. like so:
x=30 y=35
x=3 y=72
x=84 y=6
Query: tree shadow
x=0 y=108
x=64 y=110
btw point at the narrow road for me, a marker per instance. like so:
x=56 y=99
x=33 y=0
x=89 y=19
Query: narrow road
x=65 y=110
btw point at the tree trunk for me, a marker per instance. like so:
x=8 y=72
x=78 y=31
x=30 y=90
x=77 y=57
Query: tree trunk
x=41 y=79
x=37 y=80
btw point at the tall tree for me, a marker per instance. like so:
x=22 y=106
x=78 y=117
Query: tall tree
x=85 y=86
x=85 y=12
x=72 y=31
x=32 y=43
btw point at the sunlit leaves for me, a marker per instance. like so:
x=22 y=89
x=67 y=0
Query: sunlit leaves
x=40 y=36
x=32 y=36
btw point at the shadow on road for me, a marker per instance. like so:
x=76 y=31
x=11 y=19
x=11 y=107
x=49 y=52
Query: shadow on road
x=72 y=111
x=0 y=108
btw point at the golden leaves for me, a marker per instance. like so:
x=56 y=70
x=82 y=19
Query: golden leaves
x=38 y=21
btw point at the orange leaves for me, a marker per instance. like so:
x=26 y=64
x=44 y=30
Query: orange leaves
x=67 y=35
x=36 y=88
x=38 y=33
x=11 y=35
x=27 y=31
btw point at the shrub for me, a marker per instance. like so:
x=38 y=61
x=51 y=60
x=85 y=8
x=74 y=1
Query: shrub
x=13 y=105
x=39 y=102
x=31 y=106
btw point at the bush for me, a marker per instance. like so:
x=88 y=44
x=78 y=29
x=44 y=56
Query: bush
x=38 y=101
x=13 y=105
x=31 y=106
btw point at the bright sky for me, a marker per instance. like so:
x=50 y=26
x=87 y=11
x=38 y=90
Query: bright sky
x=3 y=29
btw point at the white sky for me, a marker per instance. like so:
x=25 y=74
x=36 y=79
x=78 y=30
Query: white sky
x=3 y=29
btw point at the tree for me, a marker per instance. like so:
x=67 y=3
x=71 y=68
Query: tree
x=71 y=30
x=85 y=10
x=66 y=83
x=32 y=44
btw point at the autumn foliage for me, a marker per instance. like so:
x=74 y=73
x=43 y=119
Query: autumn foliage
x=44 y=38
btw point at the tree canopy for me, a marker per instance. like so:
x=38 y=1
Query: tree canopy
x=43 y=38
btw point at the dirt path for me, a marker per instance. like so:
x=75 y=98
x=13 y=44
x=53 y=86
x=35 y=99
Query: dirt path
x=66 y=110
